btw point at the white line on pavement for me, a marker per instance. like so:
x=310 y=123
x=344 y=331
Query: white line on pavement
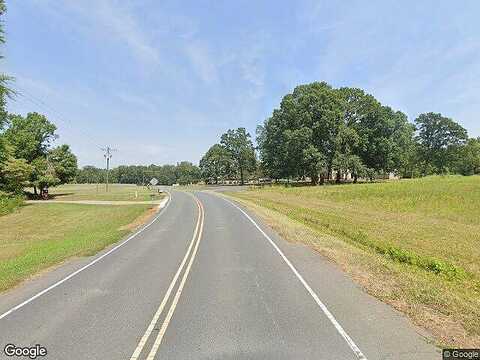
x=155 y=318
x=166 y=322
x=44 y=291
x=322 y=306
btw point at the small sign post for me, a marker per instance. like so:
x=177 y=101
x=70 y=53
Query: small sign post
x=153 y=182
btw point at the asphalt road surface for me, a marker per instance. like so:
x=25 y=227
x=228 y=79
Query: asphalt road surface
x=204 y=280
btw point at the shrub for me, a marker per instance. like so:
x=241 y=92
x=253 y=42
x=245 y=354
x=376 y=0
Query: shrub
x=9 y=203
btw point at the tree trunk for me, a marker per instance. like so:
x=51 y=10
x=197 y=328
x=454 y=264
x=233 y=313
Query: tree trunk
x=322 y=179
x=338 y=177
x=314 y=179
x=355 y=178
x=35 y=190
x=241 y=176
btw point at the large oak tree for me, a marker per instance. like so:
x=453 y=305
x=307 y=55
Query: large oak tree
x=240 y=148
x=440 y=139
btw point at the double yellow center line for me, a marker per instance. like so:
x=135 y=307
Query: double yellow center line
x=189 y=256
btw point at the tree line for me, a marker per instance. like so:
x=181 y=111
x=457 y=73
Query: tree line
x=182 y=173
x=320 y=133
x=26 y=156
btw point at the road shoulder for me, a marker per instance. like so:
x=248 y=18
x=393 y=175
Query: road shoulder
x=375 y=326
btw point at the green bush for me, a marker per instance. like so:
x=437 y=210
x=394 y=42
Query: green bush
x=9 y=203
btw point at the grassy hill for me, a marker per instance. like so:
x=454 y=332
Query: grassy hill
x=413 y=243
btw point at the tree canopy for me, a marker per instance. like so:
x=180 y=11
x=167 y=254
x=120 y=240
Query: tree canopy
x=64 y=163
x=30 y=159
x=217 y=164
x=319 y=131
x=239 y=146
x=30 y=136
x=440 y=140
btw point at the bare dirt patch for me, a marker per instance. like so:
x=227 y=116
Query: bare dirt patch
x=142 y=219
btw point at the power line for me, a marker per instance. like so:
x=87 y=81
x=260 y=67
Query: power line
x=108 y=155
x=59 y=116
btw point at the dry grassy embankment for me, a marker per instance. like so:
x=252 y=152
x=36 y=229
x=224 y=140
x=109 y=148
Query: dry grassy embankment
x=412 y=243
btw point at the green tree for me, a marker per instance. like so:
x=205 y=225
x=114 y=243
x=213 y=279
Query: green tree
x=468 y=162
x=216 y=164
x=4 y=93
x=64 y=163
x=187 y=173
x=239 y=146
x=15 y=174
x=272 y=152
x=300 y=138
x=315 y=164
x=43 y=175
x=167 y=175
x=440 y=140
x=30 y=136
x=320 y=108
x=384 y=136
x=3 y=9
x=298 y=161
x=347 y=141
x=90 y=175
x=5 y=151
x=5 y=90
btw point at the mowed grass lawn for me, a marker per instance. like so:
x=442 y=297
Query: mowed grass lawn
x=37 y=236
x=116 y=192
x=412 y=243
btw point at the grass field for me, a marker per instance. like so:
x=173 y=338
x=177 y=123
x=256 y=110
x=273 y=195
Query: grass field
x=412 y=243
x=116 y=192
x=37 y=236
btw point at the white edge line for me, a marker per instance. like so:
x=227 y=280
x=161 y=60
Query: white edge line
x=322 y=306
x=51 y=287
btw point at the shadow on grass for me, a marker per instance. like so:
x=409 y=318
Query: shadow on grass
x=53 y=196
x=31 y=196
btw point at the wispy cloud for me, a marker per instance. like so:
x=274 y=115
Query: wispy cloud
x=141 y=102
x=202 y=61
x=253 y=68
x=108 y=20
x=117 y=18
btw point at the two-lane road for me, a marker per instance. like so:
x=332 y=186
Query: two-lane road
x=205 y=280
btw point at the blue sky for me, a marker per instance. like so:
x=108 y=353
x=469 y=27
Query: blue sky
x=162 y=80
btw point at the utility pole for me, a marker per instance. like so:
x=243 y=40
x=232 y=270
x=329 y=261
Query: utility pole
x=108 y=155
